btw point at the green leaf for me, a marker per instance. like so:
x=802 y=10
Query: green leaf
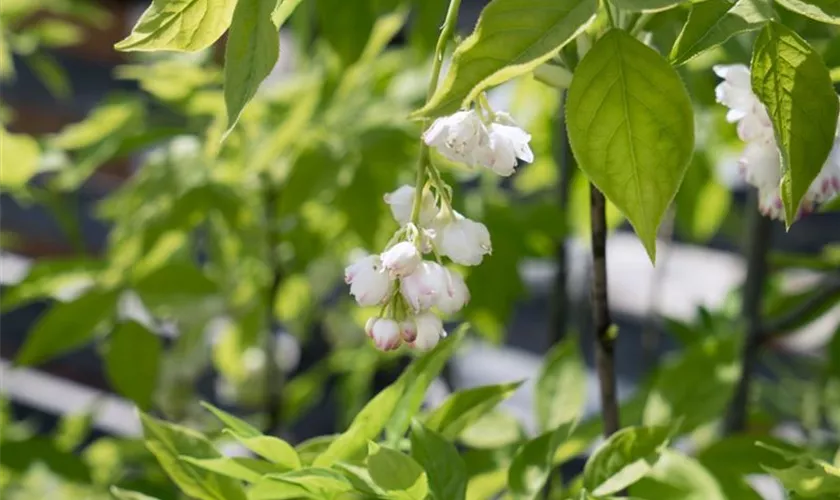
x=467 y=406
x=791 y=80
x=50 y=73
x=392 y=407
x=631 y=128
x=824 y=11
x=446 y=470
x=168 y=442
x=712 y=22
x=678 y=477
x=308 y=483
x=512 y=38
x=246 y=469
x=271 y=448
x=252 y=49
x=345 y=26
x=121 y=494
x=236 y=424
x=624 y=458
x=132 y=358
x=710 y=367
x=19 y=156
x=74 y=428
x=179 y=25
x=808 y=477
x=114 y=116
x=396 y=473
x=67 y=326
x=560 y=392
x=646 y=5
x=533 y=463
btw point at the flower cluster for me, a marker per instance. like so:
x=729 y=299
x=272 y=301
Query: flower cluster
x=410 y=288
x=760 y=162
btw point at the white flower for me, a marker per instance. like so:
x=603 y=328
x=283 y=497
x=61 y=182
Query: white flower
x=462 y=240
x=369 y=283
x=458 y=137
x=401 y=259
x=384 y=332
x=455 y=294
x=408 y=330
x=507 y=143
x=826 y=184
x=401 y=203
x=429 y=331
x=422 y=287
x=760 y=164
x=770 y=204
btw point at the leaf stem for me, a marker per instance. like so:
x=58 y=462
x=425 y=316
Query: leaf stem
x=423 y=159
x=756 y=248
x=610 y=16
x=604 y=338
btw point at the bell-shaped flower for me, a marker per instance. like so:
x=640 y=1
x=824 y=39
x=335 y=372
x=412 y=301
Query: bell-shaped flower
x=429 y=331
x=463 y=240
x=368 y=280
x=401 y=202
x=458 y=137
x=401 y=259
x=385 y=333
x=455 y=293
x=422 y=288
x=507 y=143
x=408 y=330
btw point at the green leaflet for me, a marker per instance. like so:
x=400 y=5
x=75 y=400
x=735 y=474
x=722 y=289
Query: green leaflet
x=132 y=358
x=531 y=466
x=396 y=473
x=824 y=11
x=712 y=22
x=631 y=128
x=446 y=470
x=560 y=393
x=180 y=25
x=624 y=458
x=465 y=407
x=791 y=80
x=512 y=38
x=646 y=5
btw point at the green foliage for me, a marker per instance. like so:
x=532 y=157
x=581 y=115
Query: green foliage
x=791 y=80
x=624 y=458
x=466 y=407
x=633 y=94
x=825 y=11
x=181 y=25
x=132 y=360
x=560 y=394
x=533 y=462
x=396 y=473
x=446 y=470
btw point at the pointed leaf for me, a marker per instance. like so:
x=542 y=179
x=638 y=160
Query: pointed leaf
x=533 y=462
x=445 y=468
x=236 y=424
x=678 y=477
x=246 y=469
x=132 y=358
x=631 y=128
x=180 y=25
x=397 y=473
x=646 y=5
x=121 y=494
x=824 y=11
x=712 y=22
x=791 y=80
x=512 y=38
x=467 y=406
x=253 y=46
x=624 y=458
x=307 y=483
x=271 y=448
x=560 y=393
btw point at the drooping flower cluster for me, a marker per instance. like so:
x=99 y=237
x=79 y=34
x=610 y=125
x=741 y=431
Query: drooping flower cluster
x=411 y=288
x=760 y=163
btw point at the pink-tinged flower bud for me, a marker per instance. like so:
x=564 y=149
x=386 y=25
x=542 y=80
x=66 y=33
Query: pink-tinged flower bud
x=463 y=240
x=401 y=259
x=369 y=283
x=385 y=333
x=401 y=203
x=408 y=330
x=429 y=331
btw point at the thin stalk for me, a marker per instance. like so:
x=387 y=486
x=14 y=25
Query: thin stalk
x=273 y=376
x=564 y=159
x=423 y=159
x=759 y=231
x=604 y=335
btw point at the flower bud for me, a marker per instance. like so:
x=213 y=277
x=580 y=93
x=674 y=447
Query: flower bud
x=401 y=203
x=455 y=293
x=401 y=259
x=458 y=137
x=385 y=333
x=429 y=331
x=422 y=287
x=368 y=281
x=462 y=240
x=408 y=330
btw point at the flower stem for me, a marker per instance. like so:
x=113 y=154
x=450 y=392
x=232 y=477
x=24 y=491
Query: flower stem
x=440 y=48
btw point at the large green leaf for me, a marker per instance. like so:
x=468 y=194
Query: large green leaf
x=825 y=11
x=67 y=326
x=180 y=25
x=393 y=407
x=311 y=482
x=532 y=465
x=396 y=473
x=446 y=470
x=710 y=367
x=631 y=128
x=512 y=38
x=252 y=49
x=646 y=5
x=624 y=458
x=168 y=442
x=791 y=80
x=465 y=407
x=560 y=392
x=807 y=476
x=678 y=477
x=712 y=22
x=132 y=358
x=246 y=469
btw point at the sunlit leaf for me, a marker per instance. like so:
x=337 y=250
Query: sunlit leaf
x=308 y=483
x=560 y=393
x=624 y=458
x=824 y=11
x=464 y=407
x=132 y=360
x=245 y=469
x=646 y=5
x=533 y=463
x=121 y=494
x=19 y=156
x=397 y=473
x=678 y=477
x=447 y=473
x=181 y=25
x=631 y=127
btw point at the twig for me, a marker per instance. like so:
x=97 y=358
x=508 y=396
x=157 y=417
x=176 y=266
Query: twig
x=757 y=246
x=605 y=337
x=273 y=377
